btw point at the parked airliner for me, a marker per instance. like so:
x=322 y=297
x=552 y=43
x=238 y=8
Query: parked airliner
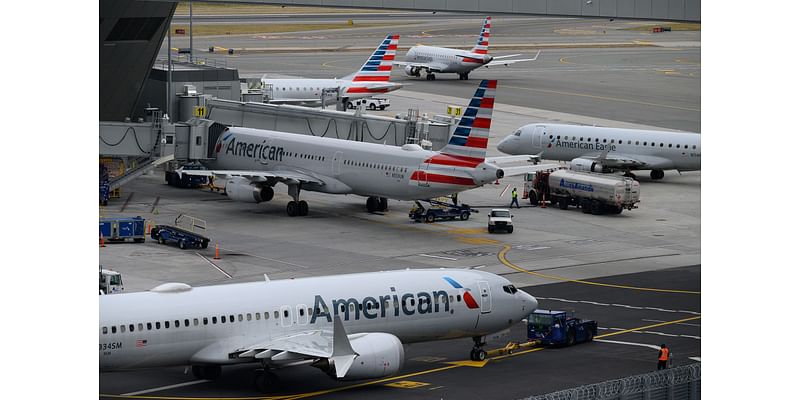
x=462 y=62
x=253 y=161
x=597 y=149
x=370 y=80
x=351 y=326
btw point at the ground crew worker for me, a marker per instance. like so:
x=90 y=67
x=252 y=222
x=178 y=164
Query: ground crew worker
x=514 y=199
x=663 y=357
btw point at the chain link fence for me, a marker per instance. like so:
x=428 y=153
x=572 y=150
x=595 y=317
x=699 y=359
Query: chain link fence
x=674 y=384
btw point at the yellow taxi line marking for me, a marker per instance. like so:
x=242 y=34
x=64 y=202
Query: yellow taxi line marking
x=407 y=384
x=609 y=98
x=677 y=321
x=502 y=257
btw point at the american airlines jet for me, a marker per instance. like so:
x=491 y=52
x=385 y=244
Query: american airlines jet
x=351 y=326
x=462 y=62
x=370 y=80
x=597 y=149
x=253 y=161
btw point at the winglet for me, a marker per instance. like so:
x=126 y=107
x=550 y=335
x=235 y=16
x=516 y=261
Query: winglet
x=343 y=353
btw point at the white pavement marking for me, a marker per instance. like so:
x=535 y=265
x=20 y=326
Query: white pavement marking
x=695 y=359
x=214 y=265
x=619 y=305
x=652 y=346
x=651 y=332
x=158 y=389
x=443 y=258
x=266 y=258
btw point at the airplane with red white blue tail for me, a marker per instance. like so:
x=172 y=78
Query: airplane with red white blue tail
x=370 y=80
x=434 y=60
x=253 y=161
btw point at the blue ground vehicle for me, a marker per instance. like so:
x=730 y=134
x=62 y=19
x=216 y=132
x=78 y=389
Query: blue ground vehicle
x=440 y=210
x=556 y=328
x=119 y=229
x=167 y=234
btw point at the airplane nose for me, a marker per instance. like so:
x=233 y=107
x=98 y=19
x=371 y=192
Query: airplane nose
x=530 y=299
x=501 y=146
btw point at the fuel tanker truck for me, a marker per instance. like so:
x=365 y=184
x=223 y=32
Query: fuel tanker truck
x=593 y=192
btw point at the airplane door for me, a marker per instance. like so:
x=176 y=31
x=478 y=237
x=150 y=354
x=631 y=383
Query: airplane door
x=538 y=135
x=286 y=316
x=486 y=297
x=422 y=179
x=337 y=163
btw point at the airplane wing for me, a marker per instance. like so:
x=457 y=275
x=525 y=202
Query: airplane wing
x=498 y=61
x=256 y=176
x=331 y=343
x=503 y=160
x=528 y=169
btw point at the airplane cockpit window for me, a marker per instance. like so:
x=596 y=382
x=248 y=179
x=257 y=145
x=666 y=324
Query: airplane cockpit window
x=518 y=132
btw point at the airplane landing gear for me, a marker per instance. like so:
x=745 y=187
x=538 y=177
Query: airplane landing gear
x=464 y=76
x=657 y=174
x=210 y=372
x=430 y=76
x=629 y=174
x=266 y=381
x=478 y=353
x=296 y=207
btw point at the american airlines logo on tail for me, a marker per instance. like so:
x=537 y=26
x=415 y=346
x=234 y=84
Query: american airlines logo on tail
x=378 y=67
x=482 y=45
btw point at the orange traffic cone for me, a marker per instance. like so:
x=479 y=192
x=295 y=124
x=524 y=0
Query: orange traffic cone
x=497 y=182
x=102 y=241
x=147 y=232
x=216 y=251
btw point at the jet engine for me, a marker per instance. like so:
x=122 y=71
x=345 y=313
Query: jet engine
x=240 y=189
x=411 y=70
x=379 y=355
x=587 y=165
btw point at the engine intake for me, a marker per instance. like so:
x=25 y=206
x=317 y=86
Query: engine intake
x=411 y=70
x=240 y=189
x=379 y=355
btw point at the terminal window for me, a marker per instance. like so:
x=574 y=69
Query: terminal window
x=142 y=28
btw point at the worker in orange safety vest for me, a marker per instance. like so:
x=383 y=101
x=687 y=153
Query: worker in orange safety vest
x=663 y=357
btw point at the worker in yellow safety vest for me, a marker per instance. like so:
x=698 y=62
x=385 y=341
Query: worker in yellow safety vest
x=514 y=199
x=663 y=357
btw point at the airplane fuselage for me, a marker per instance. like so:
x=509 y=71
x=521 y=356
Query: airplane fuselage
x=204 y=325
x=349 y=167
x=310 y=90
x=446 y=60
x=659 y=149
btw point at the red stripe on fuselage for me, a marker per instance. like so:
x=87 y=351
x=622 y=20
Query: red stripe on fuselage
x=371 y=78
x=366 y=90
x=472 y=60
x=454 y=160
x=437 y=178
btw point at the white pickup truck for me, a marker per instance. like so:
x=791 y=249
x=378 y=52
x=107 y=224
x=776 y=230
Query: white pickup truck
x=372 y=103
x=500 y=219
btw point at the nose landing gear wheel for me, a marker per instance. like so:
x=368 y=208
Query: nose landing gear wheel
x=477 y=354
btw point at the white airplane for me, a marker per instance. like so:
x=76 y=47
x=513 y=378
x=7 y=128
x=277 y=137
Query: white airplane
x=597 y=149
x=371 y=79
x=462 y=62
x=253 y=161
x=351 y=326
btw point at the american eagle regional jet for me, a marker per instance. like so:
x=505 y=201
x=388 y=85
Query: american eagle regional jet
x=253 y=161
x=599 y=149
x=350 y=326
x=372 y=79
x=446 y=60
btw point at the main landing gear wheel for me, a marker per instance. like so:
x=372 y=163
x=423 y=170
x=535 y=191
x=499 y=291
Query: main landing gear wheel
x=464 y=76
x=292 y=209
x=657 y=174
x=302 y=208
x=383 y=204
x=629 y=174
x=372 y=204
x=266 y=382
x=430 y=77
x=210 y=372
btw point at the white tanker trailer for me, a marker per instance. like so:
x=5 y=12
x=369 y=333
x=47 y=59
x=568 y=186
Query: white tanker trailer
x=592 y=192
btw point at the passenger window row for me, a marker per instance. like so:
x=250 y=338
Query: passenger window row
x=380 y=166
x=619 y=141
x=141 y=326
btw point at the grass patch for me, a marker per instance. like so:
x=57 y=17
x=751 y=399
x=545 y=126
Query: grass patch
x=676 y=26
x=248 y=29
x=199 y=8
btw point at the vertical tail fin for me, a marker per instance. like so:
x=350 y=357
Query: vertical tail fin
x=482 y=45
x=472 y=133
x=378 y=66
